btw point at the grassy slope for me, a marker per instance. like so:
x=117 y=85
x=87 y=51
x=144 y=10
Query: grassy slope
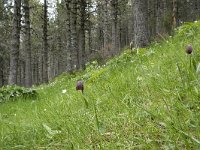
x=150 y=100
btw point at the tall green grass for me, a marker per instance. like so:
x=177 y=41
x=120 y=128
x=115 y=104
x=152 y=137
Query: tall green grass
x=148 y=100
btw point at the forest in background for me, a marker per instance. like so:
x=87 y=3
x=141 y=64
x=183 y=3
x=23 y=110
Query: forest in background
x=36 y=46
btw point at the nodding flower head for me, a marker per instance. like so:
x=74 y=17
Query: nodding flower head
x=79 y=85
x=189 y=49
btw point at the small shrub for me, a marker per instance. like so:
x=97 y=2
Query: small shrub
x=12 y=92
x=188 y=30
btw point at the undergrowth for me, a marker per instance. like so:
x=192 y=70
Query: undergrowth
x=11 y=93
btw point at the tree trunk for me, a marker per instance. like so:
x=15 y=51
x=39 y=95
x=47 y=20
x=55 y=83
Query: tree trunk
x=45 y=43
x=141 y=36
x=22 y=73
x=114 y=13
x=197 y=7
x=27 y=41
x=99 y=30
x=68 y=35
x=15 y=43
x=106 y=24
x=160 y=17
x=83 y=5
x=50 y=67
x=1 y=9
x=74 y=38
x=40 y=67
x=89 y=40
x=174 y=14
x=34 y=71
x=1 y=72
x=6 y=70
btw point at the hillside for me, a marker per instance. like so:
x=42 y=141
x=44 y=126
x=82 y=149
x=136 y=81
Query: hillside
x=148 y=99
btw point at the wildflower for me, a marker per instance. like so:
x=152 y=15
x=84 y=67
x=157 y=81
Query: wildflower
x=189 y=49
x=79 y=85
x=45 y=109
x=139 y=78
x=195 y=21
x=64 y=91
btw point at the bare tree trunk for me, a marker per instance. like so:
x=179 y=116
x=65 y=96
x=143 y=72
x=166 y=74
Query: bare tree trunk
x=40 y=67
x=60 y=55
x=106 y=24
x=45 y=43
x=174 y=14
x=15 y=43
x=68 y=29
x=1 y=72
x=141 y=36
x=37 y=72
x=114 y=13
x=34 y=71
x=1 y=49
x=1 y=9
x=27 y=41
x=51 y=67
x=159 y=17
x=197 y=7
x=6 y=71
x=22 y=73
x=88 y=28
x=19 y=68
x=100 y=34
x=74 y=37
x=89 y=40
x=83 y=5
x=55 y=66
